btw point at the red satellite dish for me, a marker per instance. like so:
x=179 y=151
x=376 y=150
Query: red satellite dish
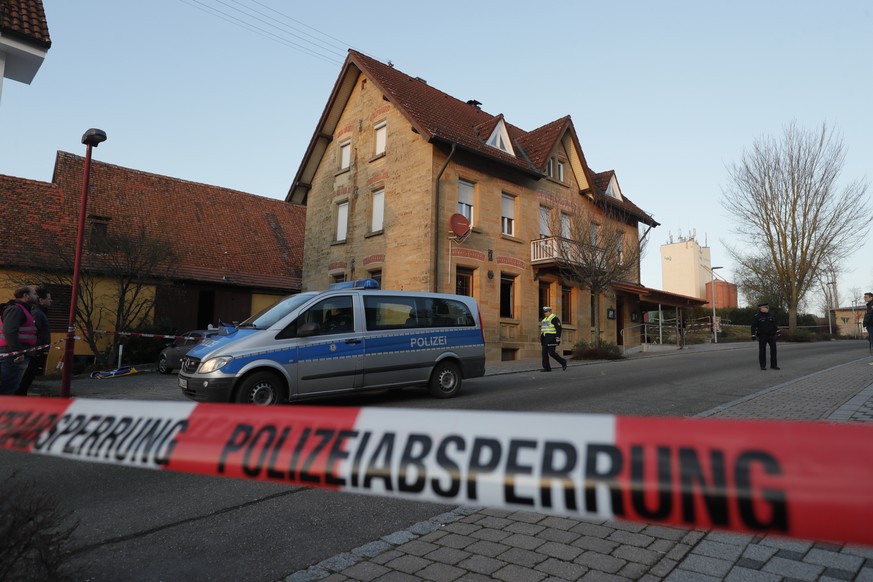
x=460 y=225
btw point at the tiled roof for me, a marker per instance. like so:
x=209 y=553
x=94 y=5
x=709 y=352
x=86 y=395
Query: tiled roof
x=601 y=182
x=26 y=20
x=219 y=235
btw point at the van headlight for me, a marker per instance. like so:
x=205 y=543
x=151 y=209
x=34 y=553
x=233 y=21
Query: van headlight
x=214 y=364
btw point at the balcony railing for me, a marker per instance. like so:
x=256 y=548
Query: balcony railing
x=553 y=249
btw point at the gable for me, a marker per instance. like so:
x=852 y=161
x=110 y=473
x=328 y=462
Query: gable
x=500 y=139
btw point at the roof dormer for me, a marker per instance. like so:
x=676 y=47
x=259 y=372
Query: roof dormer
x=612 y=189
x=500 y=138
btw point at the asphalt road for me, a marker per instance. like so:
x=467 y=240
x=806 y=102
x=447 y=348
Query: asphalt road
x=146 y=525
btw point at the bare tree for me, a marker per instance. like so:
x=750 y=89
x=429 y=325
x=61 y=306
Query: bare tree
x=116 y=284
x=786 y=203
x=597 y=248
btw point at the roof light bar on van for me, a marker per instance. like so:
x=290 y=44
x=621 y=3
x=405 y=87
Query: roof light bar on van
x=357 y=284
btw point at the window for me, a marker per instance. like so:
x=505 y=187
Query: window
x=398 y=312
x=341 y=277
x=565 y=226
x=464 y=281
x=544 y=296
x=378 y=211
x=619 y=247
x=508 y=220
x=561 y=171
x=593 y=234
x=345 y=155
x=98 y=239
x=333 y=315
x=377 y=276
x=550 y=168
x=381 y=132
x=466 y=191
x=566 y=305
x=545 y=221
x=342 y=221
x=507 y=295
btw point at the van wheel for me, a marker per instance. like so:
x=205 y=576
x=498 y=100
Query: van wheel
x=445 y=381
x=164 y=365
x=262 y=389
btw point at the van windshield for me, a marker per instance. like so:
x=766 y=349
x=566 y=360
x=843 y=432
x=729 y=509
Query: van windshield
x=277 y=311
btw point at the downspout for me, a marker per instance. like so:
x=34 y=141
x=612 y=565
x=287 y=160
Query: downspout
x=436 y=226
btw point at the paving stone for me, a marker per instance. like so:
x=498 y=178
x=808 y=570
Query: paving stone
x=456 y=541
x=408 y=564
x=595 y=576
x=449 y=517
x=386 y=557
x=339 y=562
x=680 y=575
x=447 y=555
x=559 y=551
x=523 y=541
x=631 y=526
x=417 y=547
x=561 y=569
x=706 y=565
x=522 y=557
x=424 y=527
x=728 y=537
x=759 y=552
x=837 y=574
x=394 y=577
x=595 y=544
x=663 y=532
x=481 y=564
x=715 y=549
x=399 y=537
x=464 y=529
x=678 y=552
x=592 y=529
x=633 y=539
x=633 y=570
x=739 y=574
x=750 y=564
x=865 y=575
x=494 y=522
x=862 y=551
x=468 y=509
x=365 y=571
x=792 y=569
x=528 y=529
x=372 y=549
x=664 y=567
x=496 y=512
x=558 y=535
x=559 y=522
x=527 y=516
x=486 y=548
x=308 y=575
x=440 y=573
x=693 y=536
x=601 y=562
x=786 y=544
x=638 y=555
x=336 y=577
x=661 y=546
x=491 y=535
x=434 y=536
x=790 y=555
x=836 y=560
x=513 y=573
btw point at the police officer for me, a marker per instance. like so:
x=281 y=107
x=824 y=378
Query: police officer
x=550 y=336
x=17 y=333
x=765 y=329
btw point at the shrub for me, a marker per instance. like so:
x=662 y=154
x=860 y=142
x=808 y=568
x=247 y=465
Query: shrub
x=606 y=351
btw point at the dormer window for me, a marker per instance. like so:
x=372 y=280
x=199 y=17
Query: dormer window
x=500 y=138
x=555 y=169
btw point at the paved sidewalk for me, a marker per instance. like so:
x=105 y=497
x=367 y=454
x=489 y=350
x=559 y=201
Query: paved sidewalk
x=473 y=544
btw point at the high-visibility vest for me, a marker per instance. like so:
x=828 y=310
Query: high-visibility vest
x=546 y=325
x=26 y=332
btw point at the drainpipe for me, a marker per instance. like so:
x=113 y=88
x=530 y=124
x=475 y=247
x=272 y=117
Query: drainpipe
x=436 y=228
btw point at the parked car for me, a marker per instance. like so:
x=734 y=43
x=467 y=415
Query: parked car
x=171 y=356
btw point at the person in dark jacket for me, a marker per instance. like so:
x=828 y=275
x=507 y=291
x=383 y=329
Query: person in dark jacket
x=17 y=334
x=868 y=318
x=765 y=329
x=36 y=366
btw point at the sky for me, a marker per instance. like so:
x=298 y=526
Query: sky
x=667 y=94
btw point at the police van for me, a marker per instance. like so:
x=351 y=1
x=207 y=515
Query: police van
x=352 y=337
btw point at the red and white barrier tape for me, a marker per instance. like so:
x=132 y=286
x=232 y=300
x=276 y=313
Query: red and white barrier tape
x=800 y=479
x=138 y=334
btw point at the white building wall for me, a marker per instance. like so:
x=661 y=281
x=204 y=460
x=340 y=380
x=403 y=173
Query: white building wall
x=685 y=268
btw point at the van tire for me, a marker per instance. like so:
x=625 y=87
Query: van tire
x=164 y=365
x=445 y=380
x=262 y=389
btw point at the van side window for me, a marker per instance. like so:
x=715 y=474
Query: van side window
x=394 y=312
x=333 y=315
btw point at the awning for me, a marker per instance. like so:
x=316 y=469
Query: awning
x=650 y=299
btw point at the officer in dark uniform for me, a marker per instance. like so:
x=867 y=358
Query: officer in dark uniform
x=765 y=329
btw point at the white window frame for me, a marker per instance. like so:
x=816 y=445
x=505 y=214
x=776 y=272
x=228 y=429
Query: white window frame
x=507 y=220
x=551 y=168
x=565 y=226
x=560 y=171
x=342 y=221
x=381 y=136
x=345 y=153
x=377 y=214
x=467 y=200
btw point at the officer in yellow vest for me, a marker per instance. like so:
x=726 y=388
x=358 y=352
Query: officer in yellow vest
x=550 y=336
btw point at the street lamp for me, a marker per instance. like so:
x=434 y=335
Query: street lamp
x=92 y=138
x=712 y=293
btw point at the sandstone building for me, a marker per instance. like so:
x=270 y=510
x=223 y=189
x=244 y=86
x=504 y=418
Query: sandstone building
x=392 y=159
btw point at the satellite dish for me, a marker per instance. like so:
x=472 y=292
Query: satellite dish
x=460 y=226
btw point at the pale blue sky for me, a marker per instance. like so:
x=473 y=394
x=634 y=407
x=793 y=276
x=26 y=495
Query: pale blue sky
x=665 y=93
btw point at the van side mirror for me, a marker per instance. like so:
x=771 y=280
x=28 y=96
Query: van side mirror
x=308 y=329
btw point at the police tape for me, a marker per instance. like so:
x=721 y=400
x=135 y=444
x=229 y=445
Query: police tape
x=29 y=350
x=800 y=479
x=140 y=334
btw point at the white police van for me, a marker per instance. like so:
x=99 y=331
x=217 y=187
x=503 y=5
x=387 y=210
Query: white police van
x=349 y=338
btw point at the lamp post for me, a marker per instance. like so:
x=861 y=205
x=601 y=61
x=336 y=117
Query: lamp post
x=712 y=293
x=92 y=138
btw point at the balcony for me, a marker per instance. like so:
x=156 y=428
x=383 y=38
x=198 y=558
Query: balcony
x=553 y=250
